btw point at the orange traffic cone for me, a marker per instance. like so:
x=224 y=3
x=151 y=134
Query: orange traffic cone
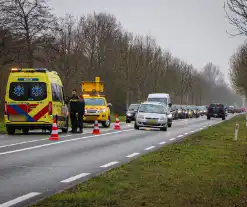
x=117 y=124
x=54 y=132
x=96 y=127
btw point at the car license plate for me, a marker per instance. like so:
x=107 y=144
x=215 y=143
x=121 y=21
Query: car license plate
x=152 y=121
x=18 y=118
x=90 y=118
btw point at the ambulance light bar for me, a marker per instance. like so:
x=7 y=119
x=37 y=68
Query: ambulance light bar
x=41 y=70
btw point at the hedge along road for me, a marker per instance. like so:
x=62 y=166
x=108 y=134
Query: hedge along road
x=33 y=170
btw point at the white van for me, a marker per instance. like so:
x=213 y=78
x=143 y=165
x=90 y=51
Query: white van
x=162 y=98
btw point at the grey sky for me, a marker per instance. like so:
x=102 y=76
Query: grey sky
x=194 y=30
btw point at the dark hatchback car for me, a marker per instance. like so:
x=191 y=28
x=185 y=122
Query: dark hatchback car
x=230 y=109
x=131 y=112
x=174 y=110
x=216 y=110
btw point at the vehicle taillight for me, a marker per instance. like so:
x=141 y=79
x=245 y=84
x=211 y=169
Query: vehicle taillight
x=5 y=108
x=50 y=108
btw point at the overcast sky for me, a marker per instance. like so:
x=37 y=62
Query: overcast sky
x=194 y=30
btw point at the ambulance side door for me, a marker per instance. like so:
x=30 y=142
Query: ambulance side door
x=57 y=101
x=65 y=110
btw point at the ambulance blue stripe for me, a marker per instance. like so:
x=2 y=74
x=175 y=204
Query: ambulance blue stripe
x=20 y=111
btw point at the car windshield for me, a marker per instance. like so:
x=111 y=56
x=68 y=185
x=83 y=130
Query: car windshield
x=216 y=106
x=152 y=108
x=133 y=107
x=94 y=101
x=28 y=91
x=161 y=100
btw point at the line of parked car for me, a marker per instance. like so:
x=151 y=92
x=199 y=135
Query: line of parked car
x=177 y=112
x=159 y=112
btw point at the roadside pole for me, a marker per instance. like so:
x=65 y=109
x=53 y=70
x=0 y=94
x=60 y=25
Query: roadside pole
x=236 y=132
x=246 y=119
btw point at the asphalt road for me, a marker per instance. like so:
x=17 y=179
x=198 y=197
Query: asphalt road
x=33 y=167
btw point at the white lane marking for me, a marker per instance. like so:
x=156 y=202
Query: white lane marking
x=186 y=133
x=192 y=131
x=9 y=145
x=19 y=199
x=133 y=154
x=39 y=140
x=109 y=164
x=162 y=143
x=35 y=140
x=180 y=135
x=75 y=177
x=149 y=148
x=64 y=141
x=172 y=139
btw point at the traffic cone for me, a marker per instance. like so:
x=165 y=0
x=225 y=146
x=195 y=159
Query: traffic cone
x=117 y=124
x=54 y=132
x=96 y=127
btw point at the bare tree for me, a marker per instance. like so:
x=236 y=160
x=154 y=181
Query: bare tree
x=27 y=19
x=238 y=70
x=236 y=12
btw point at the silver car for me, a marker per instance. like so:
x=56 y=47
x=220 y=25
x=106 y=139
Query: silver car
x=153 y=115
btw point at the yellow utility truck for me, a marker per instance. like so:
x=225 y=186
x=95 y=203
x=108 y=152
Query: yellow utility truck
x=96 y=106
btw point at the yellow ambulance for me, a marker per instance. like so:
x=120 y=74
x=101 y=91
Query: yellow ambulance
x=34 y=97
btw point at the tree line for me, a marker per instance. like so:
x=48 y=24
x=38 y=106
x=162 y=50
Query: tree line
x=236 y=11
x=132 y=66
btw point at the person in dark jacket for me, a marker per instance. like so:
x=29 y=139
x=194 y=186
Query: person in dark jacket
x=81 y=112
x=73 y=101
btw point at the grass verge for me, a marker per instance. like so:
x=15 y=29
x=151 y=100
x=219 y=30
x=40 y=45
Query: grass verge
x=207 y=169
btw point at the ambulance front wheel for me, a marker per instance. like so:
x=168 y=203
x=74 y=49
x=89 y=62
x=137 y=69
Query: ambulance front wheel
x=10 y=130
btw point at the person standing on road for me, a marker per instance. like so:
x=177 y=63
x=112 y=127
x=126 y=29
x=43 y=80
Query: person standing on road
x=73 y=110
x=81 y=112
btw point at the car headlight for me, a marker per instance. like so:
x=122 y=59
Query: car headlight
x=169 y=116
x=128 y=114
x=204 y=111
x=140 y=117
x=179 y=111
